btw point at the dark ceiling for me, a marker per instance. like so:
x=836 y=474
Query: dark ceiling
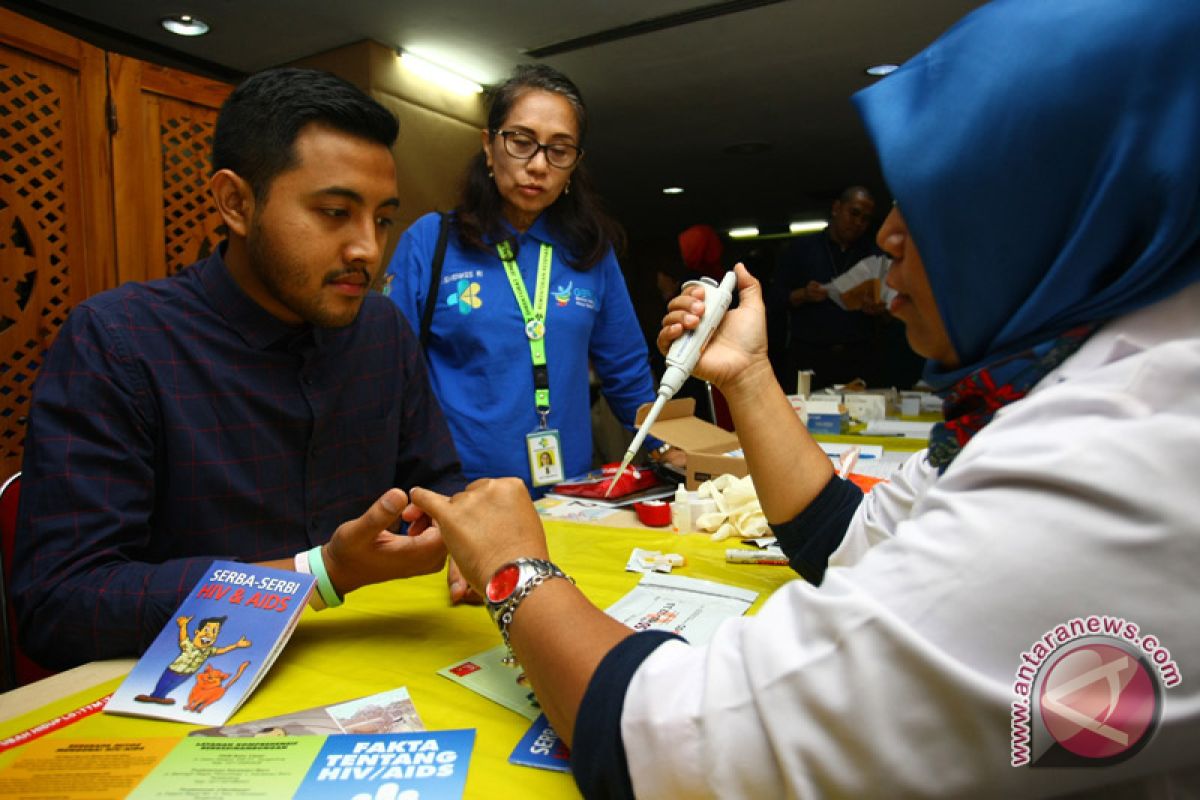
x=666 y=104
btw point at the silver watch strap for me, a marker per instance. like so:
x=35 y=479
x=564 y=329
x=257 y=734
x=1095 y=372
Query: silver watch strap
x=533 y=572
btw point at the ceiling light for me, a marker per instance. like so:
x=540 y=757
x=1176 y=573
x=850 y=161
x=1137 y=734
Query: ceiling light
x=442 y=76
x=673 y=190
x=879 y=70
x=808 y=225
x=184 y=25
x=743 y=233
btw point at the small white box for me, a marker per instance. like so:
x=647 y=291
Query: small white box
x=804 y=382
x=824 y=404
x=865 y=407
x=798 y=405
x=826 y=414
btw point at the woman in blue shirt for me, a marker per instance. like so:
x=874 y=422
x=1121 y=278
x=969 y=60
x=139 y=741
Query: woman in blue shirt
x=530 y=294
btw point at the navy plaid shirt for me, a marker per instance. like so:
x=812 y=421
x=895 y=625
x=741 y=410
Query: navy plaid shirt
x=175 y=422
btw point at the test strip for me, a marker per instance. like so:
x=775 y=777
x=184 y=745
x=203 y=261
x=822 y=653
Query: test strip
x=738 y=556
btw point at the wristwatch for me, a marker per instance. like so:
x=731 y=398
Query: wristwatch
x=510 y=585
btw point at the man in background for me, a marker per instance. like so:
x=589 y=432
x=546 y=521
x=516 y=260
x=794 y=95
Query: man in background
x=836 y=344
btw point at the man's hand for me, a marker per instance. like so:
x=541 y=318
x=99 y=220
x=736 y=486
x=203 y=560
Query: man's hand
x=812 y=292
x=460 y=590
x=363 y=551
x=675 y=456
x=874 y=308
x=486 y=526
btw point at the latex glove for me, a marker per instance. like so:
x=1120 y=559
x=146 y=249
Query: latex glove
x=738 y=511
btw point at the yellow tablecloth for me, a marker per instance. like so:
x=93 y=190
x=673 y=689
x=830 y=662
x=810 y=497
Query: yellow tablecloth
x=400 y=634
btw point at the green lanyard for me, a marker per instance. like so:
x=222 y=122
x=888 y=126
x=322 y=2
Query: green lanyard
x=535 y=320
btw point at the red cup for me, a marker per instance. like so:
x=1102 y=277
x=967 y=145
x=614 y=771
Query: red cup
x=655 y=513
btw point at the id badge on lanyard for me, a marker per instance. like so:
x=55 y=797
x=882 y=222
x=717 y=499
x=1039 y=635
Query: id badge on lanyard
x=542 y=445
x=545 y=457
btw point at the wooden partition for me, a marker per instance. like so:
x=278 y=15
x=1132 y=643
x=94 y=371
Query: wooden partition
x=162 y=145
x=55 y=203
x=84 y=132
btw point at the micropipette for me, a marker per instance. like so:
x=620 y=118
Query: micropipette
x=682 y=357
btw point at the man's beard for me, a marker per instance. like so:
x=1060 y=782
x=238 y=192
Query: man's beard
x=286 y=281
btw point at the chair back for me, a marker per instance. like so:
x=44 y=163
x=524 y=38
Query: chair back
x=16 y=669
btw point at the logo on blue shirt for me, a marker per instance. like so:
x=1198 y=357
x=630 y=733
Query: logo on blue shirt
x=562 y=295
x=466 y=296
x=585 y=298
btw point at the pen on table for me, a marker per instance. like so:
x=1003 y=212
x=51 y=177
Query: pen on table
x=737 y=556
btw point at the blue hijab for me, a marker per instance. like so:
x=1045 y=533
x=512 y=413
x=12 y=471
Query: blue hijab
x=1046 y=157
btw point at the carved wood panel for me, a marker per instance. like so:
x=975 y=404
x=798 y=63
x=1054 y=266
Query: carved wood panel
x=192 y=226
x=62 y=173
x=161 y=152
x=55 y=212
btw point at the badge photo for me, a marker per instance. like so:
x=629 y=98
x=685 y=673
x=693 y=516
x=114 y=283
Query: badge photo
x=545 y=457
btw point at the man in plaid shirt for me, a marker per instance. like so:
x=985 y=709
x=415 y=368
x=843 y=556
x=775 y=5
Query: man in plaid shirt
x=257 y=405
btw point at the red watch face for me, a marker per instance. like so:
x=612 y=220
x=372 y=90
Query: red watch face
x=503 y=583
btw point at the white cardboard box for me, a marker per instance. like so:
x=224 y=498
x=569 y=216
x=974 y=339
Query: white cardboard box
x=865 y=406
x=821 y=413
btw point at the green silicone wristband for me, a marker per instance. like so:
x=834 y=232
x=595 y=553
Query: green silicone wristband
x=324 y=586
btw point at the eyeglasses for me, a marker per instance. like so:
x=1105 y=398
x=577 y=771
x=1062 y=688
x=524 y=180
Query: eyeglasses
x=523 y=146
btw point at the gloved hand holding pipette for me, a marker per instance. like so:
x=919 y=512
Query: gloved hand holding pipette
x=704 y=312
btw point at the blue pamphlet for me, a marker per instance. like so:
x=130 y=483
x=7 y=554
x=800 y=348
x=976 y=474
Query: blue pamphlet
x=540 y=747
x=217 y=645
x=431 y=765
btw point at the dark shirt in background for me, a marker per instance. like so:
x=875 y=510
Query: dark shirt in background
x=838 y=345
x=818 y=258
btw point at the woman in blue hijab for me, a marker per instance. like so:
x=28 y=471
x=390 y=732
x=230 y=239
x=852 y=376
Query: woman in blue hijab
x=1012 y=613
x=1051 y=178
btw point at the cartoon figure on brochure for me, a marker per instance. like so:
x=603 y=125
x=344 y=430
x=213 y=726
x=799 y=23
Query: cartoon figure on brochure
x=193 y=652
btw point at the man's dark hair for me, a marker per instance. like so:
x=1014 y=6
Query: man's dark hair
x=206 y=620
x=578 y=216
x=259 y=121
x=850 y=192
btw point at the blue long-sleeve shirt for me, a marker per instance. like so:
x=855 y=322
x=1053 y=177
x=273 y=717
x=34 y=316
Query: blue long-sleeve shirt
x=479 y=359
x=175 y=422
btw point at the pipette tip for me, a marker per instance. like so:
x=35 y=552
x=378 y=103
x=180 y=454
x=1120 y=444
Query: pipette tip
x=620 y=471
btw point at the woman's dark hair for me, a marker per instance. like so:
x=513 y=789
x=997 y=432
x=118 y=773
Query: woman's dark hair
x=258 y=123
x=576 y=216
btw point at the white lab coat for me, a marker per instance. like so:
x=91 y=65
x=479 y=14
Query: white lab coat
x=895 y=677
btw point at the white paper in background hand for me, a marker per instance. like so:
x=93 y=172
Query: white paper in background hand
x=869 y=268
x=738 y=513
